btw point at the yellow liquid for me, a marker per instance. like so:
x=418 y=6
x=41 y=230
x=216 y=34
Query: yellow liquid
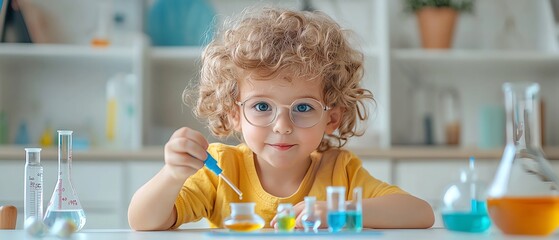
x=525 y=215
x=244 y=226
x=286 y=223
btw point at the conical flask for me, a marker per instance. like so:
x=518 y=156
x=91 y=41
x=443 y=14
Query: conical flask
x=523 y=198
x=64 y=203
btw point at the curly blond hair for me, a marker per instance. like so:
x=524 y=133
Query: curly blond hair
x=265 y=42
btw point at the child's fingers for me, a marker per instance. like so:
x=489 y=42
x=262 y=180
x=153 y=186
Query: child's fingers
x=191 y=134
x=273 y=223
x=299 y=210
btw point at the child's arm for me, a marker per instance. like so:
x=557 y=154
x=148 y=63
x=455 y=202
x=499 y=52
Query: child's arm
x=390 y=211
x=397 y=211
x=152 y=206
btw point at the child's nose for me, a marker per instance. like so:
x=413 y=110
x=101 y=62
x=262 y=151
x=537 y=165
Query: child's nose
x=283 y=124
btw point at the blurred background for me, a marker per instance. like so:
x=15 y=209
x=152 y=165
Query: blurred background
x=114 y=72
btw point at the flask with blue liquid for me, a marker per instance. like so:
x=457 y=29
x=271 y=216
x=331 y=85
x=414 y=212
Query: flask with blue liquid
x=464 y=206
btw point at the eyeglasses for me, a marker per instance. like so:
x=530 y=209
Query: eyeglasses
x=304 y=112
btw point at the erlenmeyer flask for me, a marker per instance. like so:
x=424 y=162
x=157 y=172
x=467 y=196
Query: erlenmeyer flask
x=64 y=203
x=523 y=198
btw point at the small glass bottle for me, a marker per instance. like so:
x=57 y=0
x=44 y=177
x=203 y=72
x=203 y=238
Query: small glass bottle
x=336 y=208
x=33 y=197
x=285 y=217
x=243 y=218
x=354 y=211
x=64 y=203
x=310 y=219
x=523 y=198
x=464 y=207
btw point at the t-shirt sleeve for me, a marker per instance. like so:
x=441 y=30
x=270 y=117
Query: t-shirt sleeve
x=360 y=177
x=196 y=197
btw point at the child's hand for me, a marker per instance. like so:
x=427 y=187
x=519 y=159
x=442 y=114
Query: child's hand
x=185 y=153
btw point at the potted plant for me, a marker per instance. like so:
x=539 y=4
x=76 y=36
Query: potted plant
x=436 y=19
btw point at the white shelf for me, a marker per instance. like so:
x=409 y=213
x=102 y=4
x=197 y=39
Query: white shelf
x=475 y=61
x=175 y=54
x=51 y=51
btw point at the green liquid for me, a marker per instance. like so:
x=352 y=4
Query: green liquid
x=286 y=223
x=354 y=221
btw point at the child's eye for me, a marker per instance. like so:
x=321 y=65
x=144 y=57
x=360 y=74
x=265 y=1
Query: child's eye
x=303 y=107
x=262 y=106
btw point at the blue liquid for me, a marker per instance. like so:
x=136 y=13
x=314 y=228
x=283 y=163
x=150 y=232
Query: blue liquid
x=354 y=221
x=76 y=216
x=336 y=221
x=477 y=220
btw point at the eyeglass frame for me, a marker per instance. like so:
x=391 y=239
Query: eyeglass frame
x=324 y=108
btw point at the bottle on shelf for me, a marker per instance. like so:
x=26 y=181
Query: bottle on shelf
x=451 y=115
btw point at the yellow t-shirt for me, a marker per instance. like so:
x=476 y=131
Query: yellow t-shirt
x=205 y=195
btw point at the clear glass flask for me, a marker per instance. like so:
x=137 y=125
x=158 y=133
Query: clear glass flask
x=33 y=182
x=64 y=203
x=464 y=206
x=523 y=198
x=310 y=219
x=335 y=200
x=285 y=217
x=243 y=218
x=354 y=211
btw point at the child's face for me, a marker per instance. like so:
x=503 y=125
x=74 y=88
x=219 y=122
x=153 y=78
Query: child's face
x=281 y=142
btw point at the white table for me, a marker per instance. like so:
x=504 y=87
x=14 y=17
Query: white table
x=123 y=234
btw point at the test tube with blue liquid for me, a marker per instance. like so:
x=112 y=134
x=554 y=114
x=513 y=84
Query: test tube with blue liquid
x=464 y=208
x=211 y=164
x=354 y=211
x=335 y=199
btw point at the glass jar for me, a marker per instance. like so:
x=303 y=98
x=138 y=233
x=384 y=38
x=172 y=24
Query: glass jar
x=523 y=198
x=285 y=217
x=463 y=204
x=243 y=218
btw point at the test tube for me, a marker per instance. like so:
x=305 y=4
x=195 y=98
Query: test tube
x=33 y=197
x=354 y=211
x=336 y=208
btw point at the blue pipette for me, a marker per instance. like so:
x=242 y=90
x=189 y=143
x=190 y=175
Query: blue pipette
x=211 y=164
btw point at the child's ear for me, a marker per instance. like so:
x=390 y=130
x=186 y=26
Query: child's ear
x=235 y=119
x=334 y=116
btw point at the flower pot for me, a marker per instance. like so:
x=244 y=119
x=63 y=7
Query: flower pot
x=436 y=26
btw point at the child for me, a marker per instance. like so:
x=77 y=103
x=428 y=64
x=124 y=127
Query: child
x=287 y=82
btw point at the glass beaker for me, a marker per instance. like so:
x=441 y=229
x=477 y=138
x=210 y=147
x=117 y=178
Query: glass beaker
x=463 y=204
x=335 y=199
x=285 y=217
x=64 y=202
x=354 y=211
x=310 y=219
x=523 y=198
x=243 y=218
x=33 y=197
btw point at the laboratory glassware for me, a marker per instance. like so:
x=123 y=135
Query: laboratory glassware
x=64 y=203
x=523 y=198
x=211 y=163
x=354 y=211
x=33 y=182
x=285 y=217
x=243 y=218
x=335 y=199
x=464 y=206
x=310 y=219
